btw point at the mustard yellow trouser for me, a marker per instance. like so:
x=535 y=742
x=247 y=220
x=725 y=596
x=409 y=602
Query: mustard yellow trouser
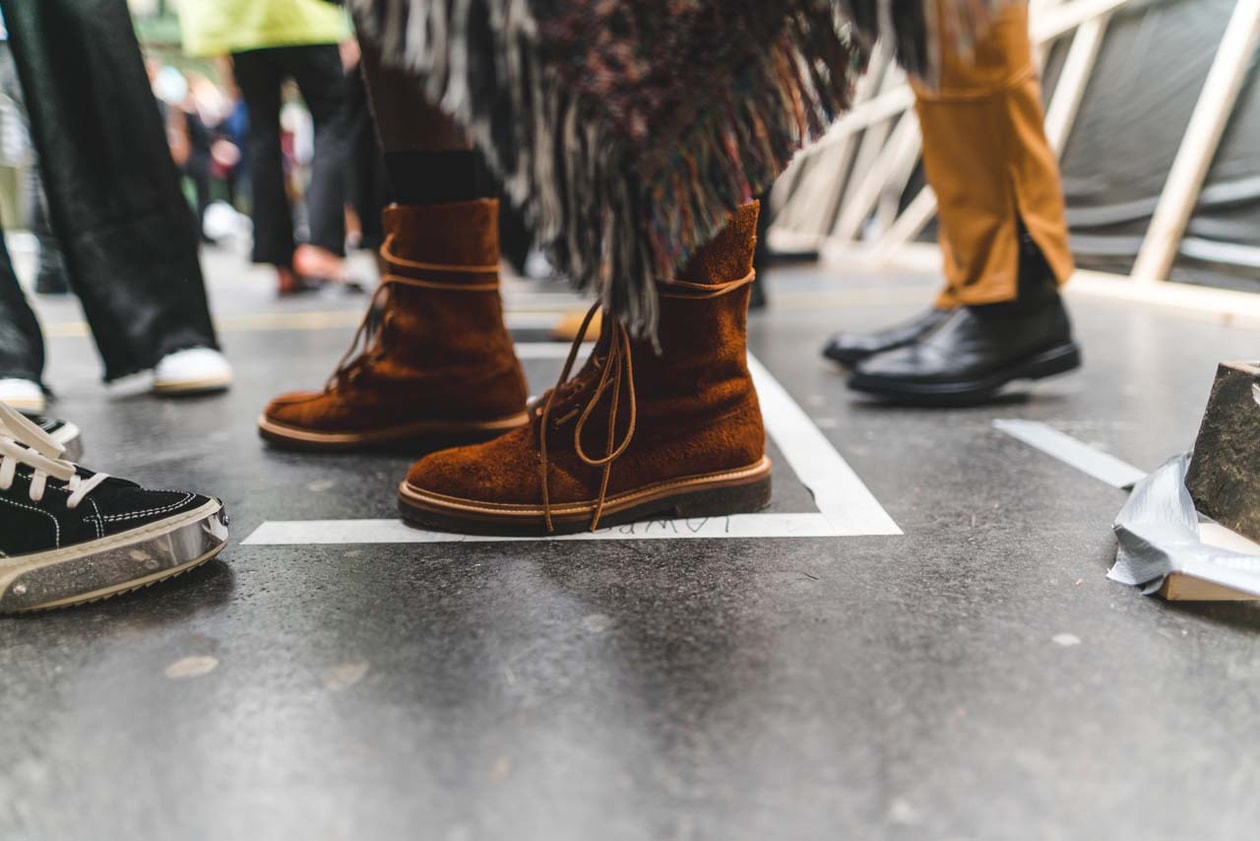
x=987 y=158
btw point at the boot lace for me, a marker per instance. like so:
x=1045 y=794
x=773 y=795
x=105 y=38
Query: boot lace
x=369 y=345
x=22 y=443
x=614 y=360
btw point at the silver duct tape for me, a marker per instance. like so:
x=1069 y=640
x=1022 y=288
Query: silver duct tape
x=97 y=572
x=1160 y=533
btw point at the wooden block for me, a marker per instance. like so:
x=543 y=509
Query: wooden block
x=1224 y=474
x=1184 y=588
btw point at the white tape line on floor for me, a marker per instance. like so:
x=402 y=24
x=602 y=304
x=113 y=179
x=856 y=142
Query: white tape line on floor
x=841 y=496
x=1078 y=454
x=305 y=533
x=846 y=507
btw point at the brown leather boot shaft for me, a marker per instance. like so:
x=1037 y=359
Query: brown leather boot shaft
x=460 y=234
x=454 y=340
x=703 y=362
x=729 y=255
x=689 y=412
x=439 y=362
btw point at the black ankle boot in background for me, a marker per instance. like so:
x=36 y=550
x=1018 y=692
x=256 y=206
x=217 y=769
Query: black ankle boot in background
x=848 y=349
x=978 y=350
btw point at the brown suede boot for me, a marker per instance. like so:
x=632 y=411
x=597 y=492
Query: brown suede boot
x=634 y=435
x=437 y=366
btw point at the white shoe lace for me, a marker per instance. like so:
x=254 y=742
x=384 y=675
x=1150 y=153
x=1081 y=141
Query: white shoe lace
x=24 y=443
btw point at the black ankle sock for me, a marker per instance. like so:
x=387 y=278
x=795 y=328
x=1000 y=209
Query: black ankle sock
x=438 y=177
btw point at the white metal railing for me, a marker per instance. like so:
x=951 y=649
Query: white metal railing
x=838 y=194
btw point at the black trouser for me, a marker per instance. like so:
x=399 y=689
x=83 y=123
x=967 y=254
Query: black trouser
x=21 y=344
x=52 y=265
x=367 y=187
x=197 y=170
x=52 y=269
x=129 y=237
x=260 y=74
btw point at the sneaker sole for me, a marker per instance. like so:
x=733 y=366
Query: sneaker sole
x=742 y=491
x=1060 y=359
x=28 y=405
x=111 y=566
x=422 y=435
x=203 y=386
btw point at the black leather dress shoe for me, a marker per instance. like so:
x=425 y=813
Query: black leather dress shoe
x=972 y=356
x=851 y=348
x=978 y=350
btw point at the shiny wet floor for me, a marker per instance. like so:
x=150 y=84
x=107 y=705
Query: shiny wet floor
x=976 y=677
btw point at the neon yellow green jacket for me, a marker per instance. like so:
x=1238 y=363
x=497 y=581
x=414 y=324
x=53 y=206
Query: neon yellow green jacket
x=218 y=27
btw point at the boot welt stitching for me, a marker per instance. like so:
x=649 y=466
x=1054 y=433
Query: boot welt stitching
x=392 y=432
x=619 y=501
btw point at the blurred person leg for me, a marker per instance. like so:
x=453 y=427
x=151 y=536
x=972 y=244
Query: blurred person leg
x=51 y=277
x=21 y=343
x=127 y=233
x=317 y=70
x=432 y=364
x=367 y=188
x=320 y=78
x=198 y=166
x=260 y=79
x=1003 y=235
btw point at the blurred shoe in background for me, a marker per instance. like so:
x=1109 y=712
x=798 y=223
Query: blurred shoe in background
x=850 y=348
x=193 y=371
x=22 y=394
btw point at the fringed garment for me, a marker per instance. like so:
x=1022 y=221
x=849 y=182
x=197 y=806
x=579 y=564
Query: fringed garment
x=628 y=130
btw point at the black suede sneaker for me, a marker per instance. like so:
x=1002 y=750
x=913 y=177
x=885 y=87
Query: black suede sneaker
x=70 y=536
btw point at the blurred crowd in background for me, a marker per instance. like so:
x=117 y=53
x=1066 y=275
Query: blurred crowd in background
x=302 y=181
x=275 y=142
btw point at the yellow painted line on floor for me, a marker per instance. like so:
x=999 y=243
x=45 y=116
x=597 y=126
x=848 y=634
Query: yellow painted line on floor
x=261 y=323
x=66 y=330
x=336 y=319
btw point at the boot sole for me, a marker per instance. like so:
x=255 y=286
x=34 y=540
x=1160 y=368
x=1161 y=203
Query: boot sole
x=741 y=491
x=425 y=435
x=111 y=566
x=1060 y=359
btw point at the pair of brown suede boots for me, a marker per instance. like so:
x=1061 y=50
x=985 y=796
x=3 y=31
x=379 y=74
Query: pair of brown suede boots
x=634 y=435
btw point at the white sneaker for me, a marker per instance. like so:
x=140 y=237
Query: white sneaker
x=25 y=395
x=192 y=371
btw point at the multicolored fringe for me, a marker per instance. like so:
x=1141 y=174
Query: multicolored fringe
x=621 y=203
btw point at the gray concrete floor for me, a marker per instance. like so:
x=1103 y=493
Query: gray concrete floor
x=870 y=688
